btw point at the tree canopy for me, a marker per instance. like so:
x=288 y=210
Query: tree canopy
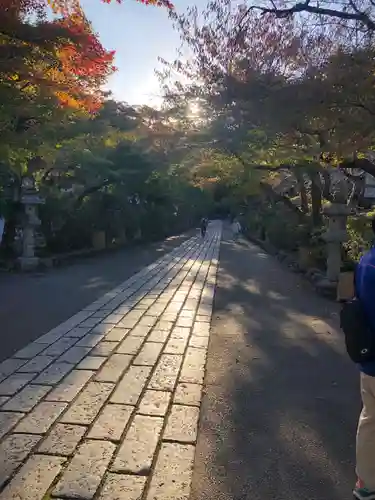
x=284 y=94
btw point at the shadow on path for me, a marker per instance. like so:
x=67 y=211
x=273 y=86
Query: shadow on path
x=281 y=398
x=30 y=305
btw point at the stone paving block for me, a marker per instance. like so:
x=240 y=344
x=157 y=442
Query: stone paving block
x=182 y=424
x=137 y=450
x=111 y=422
x=10 y=365
x=174 y=308
x=90 y=340
x=155 y=311
x=122 y=487
x=102 y=328
x=90 y=322
x=180 y=332
x=91 y=363
x=86 y=470
x=78 y=332
x=149 y=354
x=60 y=346
x=13 y=451
x=193 y=366
x=172 y=476
x=187 y=322
x=187 y=313
x=123 y=309
x=41 y=418
x=154 y=403
x=176 y=346
x=199 y=342
x=190 y=305
x=8 y=419
x=201 y=329
x=114 y=367
x=165 y=375
x=135 y=313
x=159 y=336
x=14 y=383
x=140 y=331
x=62 y=440
x=33 y=479
x=37 y=364
x=148 y=321
x=116 y=334
x=88 y=404
x=54 y=373
x=3 y=399
x=128 y=322
x=130 y=345
x=164 y=325
x=104 y=348
x=30 y=351
x=78 y=318
x=51 y=337
x=26 y=399
x=113 y=319
x=130 y=387
x=170 y=316
x=188 y=394
x=202 y=319
x=74 y=355
x=68 y=389
x=99 y=314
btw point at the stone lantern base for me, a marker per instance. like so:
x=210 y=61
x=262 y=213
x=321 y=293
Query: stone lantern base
x=28 y=263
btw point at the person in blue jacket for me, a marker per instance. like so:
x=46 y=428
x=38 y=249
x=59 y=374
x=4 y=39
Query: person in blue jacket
x=365 y=449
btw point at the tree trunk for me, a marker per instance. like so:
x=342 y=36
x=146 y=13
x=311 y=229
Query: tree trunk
x=302 y=191
x=316 y=199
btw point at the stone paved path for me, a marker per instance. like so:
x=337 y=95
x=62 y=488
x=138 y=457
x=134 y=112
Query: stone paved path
x=106 y=405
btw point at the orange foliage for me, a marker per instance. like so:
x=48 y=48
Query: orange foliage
x=82 y=63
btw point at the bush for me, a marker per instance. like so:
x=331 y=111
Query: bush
x=360 y=236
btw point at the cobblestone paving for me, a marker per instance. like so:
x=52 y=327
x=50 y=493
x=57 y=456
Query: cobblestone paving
x=105 y=406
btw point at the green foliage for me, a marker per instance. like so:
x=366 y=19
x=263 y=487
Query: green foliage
x=360 y=236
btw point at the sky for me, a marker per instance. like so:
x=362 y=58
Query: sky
x=138 y=34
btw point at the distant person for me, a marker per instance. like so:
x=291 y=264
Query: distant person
x=236 y=229
x=204 y=224
x=358 y=323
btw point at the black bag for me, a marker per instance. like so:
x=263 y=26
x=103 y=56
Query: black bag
x=359 y=336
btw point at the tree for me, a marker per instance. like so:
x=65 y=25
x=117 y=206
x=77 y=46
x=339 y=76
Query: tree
x=307 y=93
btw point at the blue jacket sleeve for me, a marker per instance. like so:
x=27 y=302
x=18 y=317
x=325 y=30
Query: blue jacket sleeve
x=366 y=291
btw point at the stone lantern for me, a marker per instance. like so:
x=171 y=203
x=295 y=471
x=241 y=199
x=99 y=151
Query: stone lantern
x=335 y=236
x=337 y=213
x=30 y=200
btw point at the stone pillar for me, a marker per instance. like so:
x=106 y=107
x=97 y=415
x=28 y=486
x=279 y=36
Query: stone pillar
x=335 y=236
x=28 y=260
x=30 y=199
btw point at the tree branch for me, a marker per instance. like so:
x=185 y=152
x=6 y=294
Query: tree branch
x=357 y=15
x=269 y=191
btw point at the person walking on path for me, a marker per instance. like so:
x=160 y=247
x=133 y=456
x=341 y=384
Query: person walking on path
x=365 y=446
x=236 y=228
x=204 y=224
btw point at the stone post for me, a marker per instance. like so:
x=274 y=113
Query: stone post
x=30 y=199
x=335 y=236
